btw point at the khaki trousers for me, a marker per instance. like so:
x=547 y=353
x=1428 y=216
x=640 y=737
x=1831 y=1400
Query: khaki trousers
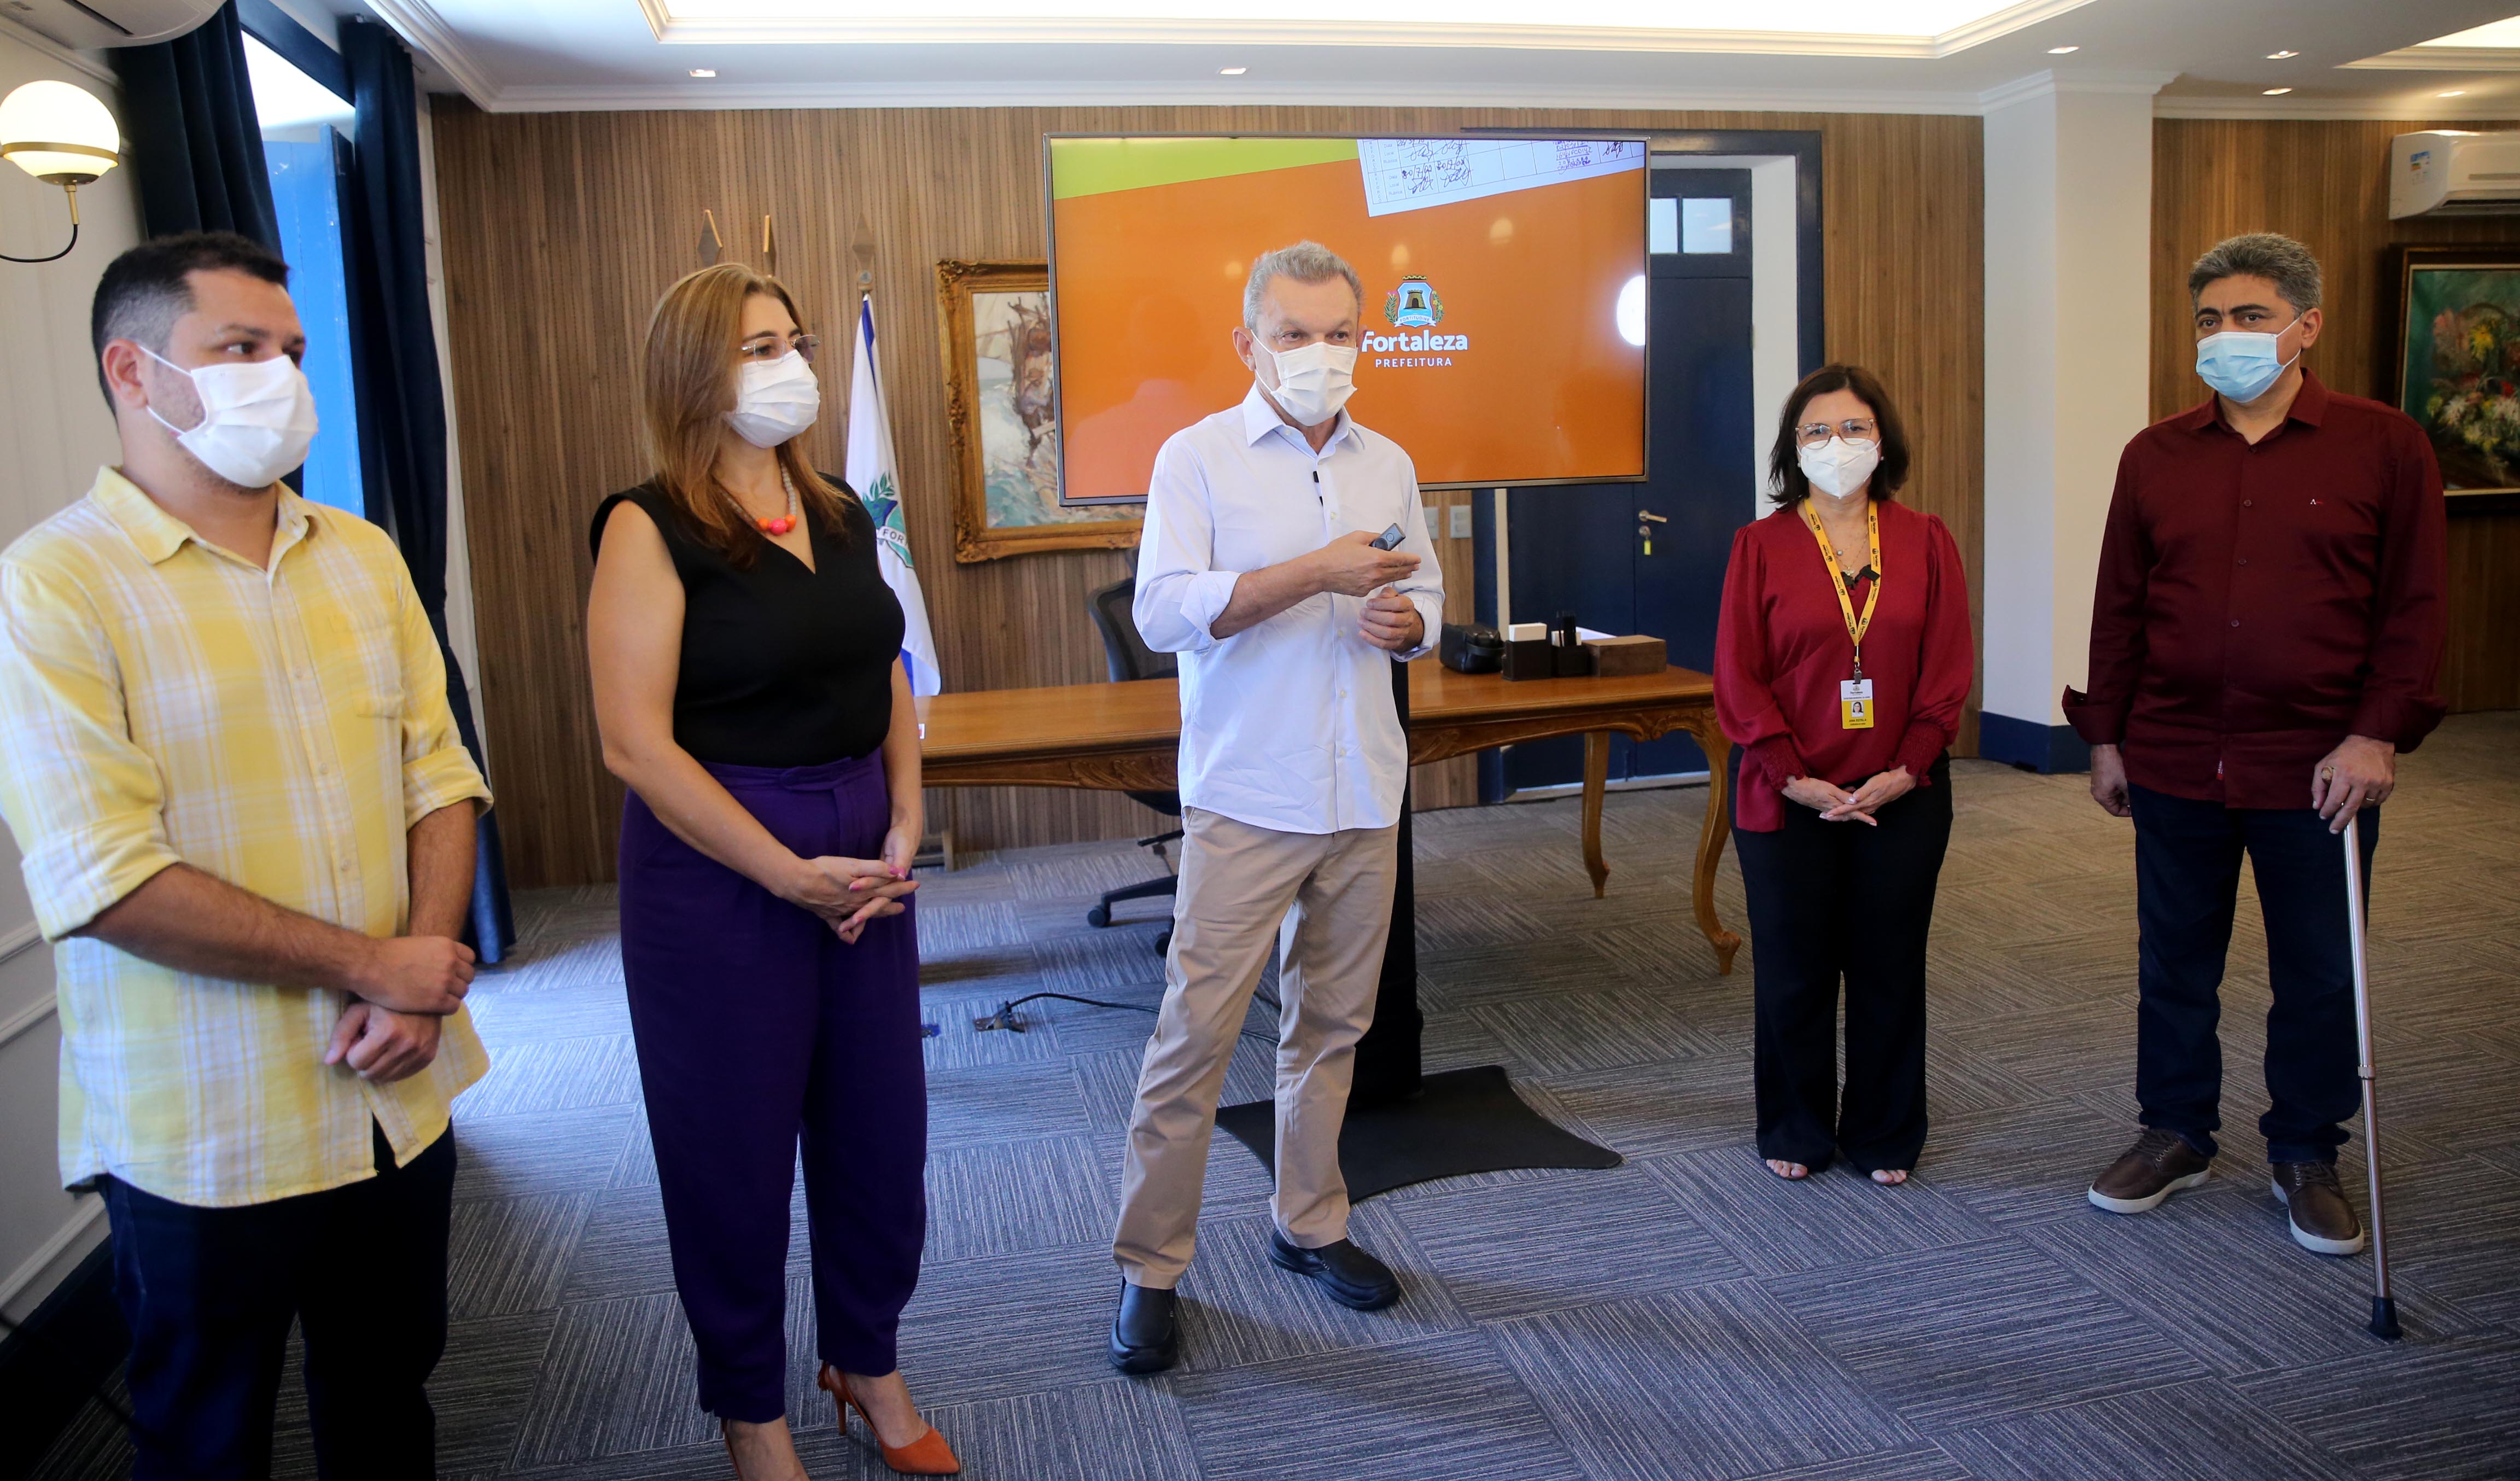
x=1332 y=892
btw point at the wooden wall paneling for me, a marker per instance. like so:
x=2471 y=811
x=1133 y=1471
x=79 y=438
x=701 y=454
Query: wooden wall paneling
x=1903 y=220
x=2325 y=183
x=562 y=229
x=2480 y=668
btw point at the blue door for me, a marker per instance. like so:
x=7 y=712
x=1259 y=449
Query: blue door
x=1648 y=557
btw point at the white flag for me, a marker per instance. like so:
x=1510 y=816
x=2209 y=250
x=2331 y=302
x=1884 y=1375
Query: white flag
x=870 y=472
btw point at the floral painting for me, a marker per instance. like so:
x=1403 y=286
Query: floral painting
x=2460 y=367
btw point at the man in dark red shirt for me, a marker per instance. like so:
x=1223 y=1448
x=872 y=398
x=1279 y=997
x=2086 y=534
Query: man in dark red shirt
x=2264 y=638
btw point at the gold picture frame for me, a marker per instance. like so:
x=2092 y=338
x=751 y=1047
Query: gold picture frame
x=993 y=323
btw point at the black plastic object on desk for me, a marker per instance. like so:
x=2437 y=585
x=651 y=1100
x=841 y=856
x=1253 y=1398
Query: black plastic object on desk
x=1470 y=649
x=1568 y=658
x=1527 y=652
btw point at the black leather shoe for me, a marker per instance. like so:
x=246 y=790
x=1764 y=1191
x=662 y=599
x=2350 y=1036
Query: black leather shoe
x=1143 y=1336
x=1346 y=1274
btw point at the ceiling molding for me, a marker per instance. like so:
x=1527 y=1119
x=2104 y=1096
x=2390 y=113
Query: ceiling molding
x=2004 y=22
x=426 y=31
x=2444 y=59
x=715 y=97
x=2049 y=83
x=708 y=96
x=85 y=64
x=2303 y=109
x=805 y=30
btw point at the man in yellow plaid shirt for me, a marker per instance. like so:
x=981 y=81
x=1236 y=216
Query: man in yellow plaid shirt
x=248 y=827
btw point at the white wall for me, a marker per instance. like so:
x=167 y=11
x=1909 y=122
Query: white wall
x=2068 y=320
x=54 y=433
x=2021 y=324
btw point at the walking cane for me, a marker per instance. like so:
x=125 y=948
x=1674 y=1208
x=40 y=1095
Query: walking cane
x=2384 y=1307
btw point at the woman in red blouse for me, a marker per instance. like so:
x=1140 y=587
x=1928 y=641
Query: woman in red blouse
x=1841 y=659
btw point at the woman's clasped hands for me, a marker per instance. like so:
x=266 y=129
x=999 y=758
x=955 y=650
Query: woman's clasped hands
x=1835 y=804
x=847 y=893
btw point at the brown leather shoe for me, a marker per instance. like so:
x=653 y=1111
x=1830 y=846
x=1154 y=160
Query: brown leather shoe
x=2323 y=1217
x=2159 y=1164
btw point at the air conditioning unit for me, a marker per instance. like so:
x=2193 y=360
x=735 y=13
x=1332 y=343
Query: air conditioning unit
x=2449 y=172
x=86 y=25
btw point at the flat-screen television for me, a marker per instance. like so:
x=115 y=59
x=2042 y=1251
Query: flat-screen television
x=1504 y=330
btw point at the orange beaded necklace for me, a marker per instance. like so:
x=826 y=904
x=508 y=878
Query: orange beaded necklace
x=780 y=524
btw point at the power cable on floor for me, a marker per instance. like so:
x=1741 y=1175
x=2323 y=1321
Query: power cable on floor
x=1004 y=1017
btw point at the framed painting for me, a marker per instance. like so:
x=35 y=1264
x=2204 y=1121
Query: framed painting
x=2450 y=359
x=993 y=323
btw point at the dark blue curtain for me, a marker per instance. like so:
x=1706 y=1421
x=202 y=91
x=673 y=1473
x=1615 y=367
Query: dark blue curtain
x=192 y=142
x=402 y=403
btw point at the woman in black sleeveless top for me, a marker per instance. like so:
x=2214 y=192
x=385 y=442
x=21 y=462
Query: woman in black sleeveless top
x=748 y=685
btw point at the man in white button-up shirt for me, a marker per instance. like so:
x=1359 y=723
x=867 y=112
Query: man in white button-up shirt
x=1259 y=567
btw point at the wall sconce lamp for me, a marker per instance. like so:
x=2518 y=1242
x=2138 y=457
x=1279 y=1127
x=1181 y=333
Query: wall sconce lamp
x=60 y=135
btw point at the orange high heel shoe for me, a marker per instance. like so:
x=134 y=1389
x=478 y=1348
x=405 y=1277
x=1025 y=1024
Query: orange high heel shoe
x=926 y=1455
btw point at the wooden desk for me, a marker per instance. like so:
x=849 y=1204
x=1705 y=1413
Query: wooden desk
x=1126 y=738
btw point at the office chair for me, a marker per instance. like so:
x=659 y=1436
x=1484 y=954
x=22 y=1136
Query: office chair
x=1131 y=660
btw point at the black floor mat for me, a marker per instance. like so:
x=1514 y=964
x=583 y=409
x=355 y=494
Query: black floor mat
x=1465 y=1121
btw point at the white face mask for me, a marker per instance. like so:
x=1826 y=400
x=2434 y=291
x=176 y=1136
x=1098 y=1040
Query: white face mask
x=1314 y=381
x=774 y=399
x=1839 y=467
x=257 y=418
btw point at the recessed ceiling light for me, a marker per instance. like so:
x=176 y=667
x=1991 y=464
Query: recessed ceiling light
x=1232 y=71
x=2281 y=56
x=2059 y=51
x=704 y=71
x=2278 y=92
x=2455 y=92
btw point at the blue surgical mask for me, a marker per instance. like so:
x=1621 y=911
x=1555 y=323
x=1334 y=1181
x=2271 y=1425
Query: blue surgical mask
x=2242 y=364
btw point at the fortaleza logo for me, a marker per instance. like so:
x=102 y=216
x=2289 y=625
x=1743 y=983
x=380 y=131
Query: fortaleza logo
x=1415 y=306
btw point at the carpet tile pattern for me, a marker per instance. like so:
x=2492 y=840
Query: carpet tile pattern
x=1684 y=1317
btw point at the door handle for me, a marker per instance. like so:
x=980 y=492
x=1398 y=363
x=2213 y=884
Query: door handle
x=1651 y=516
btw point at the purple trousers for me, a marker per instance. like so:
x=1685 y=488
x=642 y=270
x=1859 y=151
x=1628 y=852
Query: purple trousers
x=756 y=1028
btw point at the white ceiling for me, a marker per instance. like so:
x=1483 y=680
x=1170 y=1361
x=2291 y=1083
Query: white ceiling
x=2205 y=57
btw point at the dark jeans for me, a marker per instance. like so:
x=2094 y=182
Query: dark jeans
x=759 y=1030
x=209 y=1293
x=1832 y=900
x=2188 y=881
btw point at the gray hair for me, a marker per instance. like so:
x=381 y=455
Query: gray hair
x=2279 y=259
x=1305 y=262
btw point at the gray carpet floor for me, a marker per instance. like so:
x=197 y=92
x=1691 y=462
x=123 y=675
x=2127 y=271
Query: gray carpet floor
x=1685 y=1316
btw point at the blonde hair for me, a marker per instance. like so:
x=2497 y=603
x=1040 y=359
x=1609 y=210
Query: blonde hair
x=687 y=387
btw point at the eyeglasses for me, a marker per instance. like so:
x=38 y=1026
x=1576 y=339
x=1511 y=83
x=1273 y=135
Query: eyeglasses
x=1852 y=429
x=763 y=351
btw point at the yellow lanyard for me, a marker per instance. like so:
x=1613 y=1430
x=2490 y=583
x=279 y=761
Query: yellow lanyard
x=1856 y=626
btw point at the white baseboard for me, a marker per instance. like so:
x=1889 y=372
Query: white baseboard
x=39 y=1273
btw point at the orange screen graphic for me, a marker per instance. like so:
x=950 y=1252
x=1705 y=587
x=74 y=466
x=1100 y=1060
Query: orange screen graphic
x=1525 y=375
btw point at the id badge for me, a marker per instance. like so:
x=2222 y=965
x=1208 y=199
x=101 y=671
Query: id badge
x=1855 y=703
